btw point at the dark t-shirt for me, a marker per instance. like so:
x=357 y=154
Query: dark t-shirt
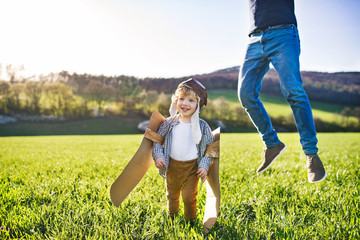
x=265 y=13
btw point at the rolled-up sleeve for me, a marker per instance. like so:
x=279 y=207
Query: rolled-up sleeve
x=158 y=149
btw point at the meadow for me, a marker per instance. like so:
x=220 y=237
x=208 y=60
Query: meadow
x=277 y=106
x=57 y=187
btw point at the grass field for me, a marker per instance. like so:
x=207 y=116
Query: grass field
x=57 y=187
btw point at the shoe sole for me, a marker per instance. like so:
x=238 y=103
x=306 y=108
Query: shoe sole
x=282 y=150
x=318 y=180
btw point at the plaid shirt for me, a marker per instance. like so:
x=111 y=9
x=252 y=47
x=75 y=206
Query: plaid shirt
x=165 y=130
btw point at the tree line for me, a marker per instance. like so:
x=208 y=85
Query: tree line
x=41 y=98
x=75 y=96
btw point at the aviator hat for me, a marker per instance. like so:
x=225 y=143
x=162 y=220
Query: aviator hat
x=198 y=88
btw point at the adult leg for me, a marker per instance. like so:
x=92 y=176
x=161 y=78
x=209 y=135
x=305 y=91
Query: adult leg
x=284 y=56
x=252 y=71
x=255 y=65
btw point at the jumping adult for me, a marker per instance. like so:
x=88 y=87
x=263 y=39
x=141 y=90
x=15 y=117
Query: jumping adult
x=274 y=38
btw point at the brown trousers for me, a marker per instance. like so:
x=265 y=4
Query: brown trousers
x=181 y=177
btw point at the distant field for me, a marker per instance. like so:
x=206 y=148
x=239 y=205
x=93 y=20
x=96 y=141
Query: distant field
x=277 y=106
x=57 y=187
x=95 y=126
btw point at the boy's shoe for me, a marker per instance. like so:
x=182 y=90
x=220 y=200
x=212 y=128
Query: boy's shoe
x=270 y=155
x=316 y=170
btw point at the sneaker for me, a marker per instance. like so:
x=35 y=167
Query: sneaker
x=316 y=170
x=270 y=155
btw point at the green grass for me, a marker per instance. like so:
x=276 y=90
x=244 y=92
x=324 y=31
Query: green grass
x=58 y=187
x=278 y=106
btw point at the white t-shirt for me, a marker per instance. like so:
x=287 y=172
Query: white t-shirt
x=183 y=147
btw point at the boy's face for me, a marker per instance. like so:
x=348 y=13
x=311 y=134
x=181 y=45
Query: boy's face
x=186 y=105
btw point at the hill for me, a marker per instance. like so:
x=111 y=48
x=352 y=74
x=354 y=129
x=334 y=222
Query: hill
x=340 y=87
x=277 y=105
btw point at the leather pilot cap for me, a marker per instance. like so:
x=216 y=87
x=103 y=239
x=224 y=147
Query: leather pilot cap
x=198 y=88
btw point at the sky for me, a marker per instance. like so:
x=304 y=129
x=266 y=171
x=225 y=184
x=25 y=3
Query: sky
x=164 y=38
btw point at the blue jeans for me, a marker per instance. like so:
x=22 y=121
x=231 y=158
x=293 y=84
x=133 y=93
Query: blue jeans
x=280 y=46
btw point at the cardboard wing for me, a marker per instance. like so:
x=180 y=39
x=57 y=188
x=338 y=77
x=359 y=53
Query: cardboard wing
x=212 y=205
x=138 y=165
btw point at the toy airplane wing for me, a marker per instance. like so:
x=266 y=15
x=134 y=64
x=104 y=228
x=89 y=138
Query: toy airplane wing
x=138 y=165
x=212 y=205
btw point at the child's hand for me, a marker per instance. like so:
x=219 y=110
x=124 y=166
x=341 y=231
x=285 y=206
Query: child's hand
x=159 y=163
x=201 y=172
